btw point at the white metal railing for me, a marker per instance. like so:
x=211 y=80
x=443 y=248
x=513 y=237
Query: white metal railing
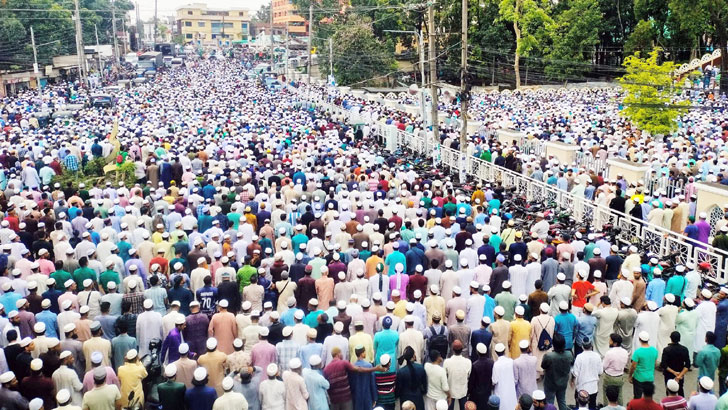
x=650 y=238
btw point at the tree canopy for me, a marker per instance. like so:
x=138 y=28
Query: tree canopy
x=53 y=28
x=649 y=101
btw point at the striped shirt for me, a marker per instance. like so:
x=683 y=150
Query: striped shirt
x=385 y=387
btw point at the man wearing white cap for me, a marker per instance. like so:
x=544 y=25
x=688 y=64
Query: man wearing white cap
x=705 y=399
x=335 y=340
x=296 y=392
x=171 y=392
x=230 y=400
x=214 y=362
x=411 y=337
x=171 y=343
x=148 y=327
x=560 y=292
x=202 y=395
x=316 y=385
x=103 y=395
x=642 y=367
x=272 y=391
x=223 y=327
x=65 y=378
x=97 y=344
x=706 y=312
x=131 y=374
x=185 y=366
x=504 y=383
x=668 y=315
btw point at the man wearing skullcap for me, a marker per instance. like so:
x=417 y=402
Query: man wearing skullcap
x=214 y=361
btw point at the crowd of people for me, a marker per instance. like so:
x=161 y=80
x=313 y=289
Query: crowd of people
x=269 y=257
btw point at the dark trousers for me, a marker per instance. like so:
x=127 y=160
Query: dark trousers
x=637 y=388
x=558 y=394
x=461 y=403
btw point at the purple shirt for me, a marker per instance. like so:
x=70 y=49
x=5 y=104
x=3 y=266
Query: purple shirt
x=170 y=346
x=196 y=332
x=703 y=231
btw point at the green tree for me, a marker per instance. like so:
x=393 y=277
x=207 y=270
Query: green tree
x=649 y=98
x=358 y=55
x=575 y=34
x=531 y=23
x=263 y=14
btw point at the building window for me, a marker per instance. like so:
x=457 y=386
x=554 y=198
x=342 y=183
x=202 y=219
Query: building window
x=188 y=24
x=245 y=27
x=189 y=12
x=228 y=25
x=200 y=24
x=188 y=36
x=241 y=14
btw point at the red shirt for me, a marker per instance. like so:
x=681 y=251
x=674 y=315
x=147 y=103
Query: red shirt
x=337 y=373
x=643 y=404
x=674 y=403
x=582 y=288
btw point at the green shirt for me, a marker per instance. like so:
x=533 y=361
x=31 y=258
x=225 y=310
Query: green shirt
x=171 y=395
x=108 y=276
x=722 y=402
x=509 y=301
x=83 y=273
x=244 y=275
x=707 y=361
x=645 y=357
x=61 y=276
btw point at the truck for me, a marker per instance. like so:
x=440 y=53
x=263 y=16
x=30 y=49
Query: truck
x=150 y=61
x=167 y=49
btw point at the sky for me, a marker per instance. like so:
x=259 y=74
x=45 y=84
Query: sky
x=168 y=7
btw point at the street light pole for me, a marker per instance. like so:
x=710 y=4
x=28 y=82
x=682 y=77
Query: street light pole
x=433 y=74
x=463 y=79
x=113 y=28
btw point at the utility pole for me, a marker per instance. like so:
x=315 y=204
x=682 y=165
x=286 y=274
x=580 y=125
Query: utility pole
x=272 y=60
x=433 y=73
x=331 y=56
x=223 y=29
x=463 y=80
x=140 y=28
x=35 y=52
x=421 y=46
x=113 y=28
x=310 y=36
x=285 y=73
x=98 y=50
x=154 y=40
x=79 y=46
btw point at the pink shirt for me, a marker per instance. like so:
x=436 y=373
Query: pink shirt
x=615 y=361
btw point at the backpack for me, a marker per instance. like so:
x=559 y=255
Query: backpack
x=438 y=341
x=544 y=339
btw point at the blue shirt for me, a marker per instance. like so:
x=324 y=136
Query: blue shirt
x=309 y=350
x=656 y=291
x=200 y=397
x=50 y=320
x=586 y=324
x=287 y=317
x=566 y=325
